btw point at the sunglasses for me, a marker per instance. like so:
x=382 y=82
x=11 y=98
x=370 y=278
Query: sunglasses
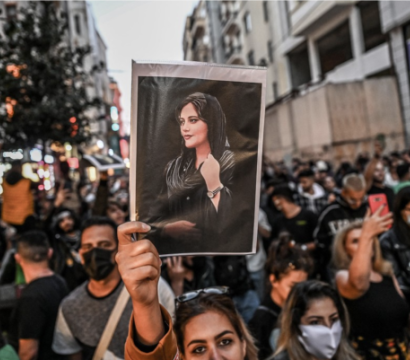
x=191 y=295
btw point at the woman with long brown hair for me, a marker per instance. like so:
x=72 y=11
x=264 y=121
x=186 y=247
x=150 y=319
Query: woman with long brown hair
x=378 y=310
x=314 y=325
x=207 y=324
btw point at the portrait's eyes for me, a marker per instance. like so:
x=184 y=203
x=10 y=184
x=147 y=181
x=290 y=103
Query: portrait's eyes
x=199 y=350
x=193 y=120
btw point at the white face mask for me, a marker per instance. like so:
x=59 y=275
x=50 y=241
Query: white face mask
x=320 y=341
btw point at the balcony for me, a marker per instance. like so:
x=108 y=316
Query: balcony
x=312 y=14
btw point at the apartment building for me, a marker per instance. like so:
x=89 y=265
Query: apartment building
x=331 y=77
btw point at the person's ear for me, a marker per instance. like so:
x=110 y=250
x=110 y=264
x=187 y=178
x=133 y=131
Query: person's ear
x=49 y=253
x=272 y=279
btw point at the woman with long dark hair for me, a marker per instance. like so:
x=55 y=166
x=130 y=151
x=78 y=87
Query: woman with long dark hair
x=286 y=266
x=207 y=325
x=196 y=194
x=395 y=243
x=314 y=325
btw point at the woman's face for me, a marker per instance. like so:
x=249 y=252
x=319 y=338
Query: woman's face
x=217 y=340
x=282 y=287
x=405 y=214
x=193 y=129
x=116 y=214
x=321 y=311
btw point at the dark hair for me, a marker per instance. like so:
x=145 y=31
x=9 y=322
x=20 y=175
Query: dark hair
x=306 y=173
x=209 y=110
x=16 y=163
x=100 y=221
x=221 y=304
x=113 y=203
x=400 y=226
x=402 y=170
x=284 y=191
x=296 y=306
x=33 y=246
x=284 y=257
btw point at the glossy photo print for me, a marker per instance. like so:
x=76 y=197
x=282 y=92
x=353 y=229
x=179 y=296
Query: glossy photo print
x=196 y=142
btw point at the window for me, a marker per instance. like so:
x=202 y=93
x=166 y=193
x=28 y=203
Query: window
x=251 y=57
x=248 y=22
x=270 y=51
x=11 y=11
x=371 y=26
x=77 y=24
x=299 y=66
x=335 y=48
x=266 y=11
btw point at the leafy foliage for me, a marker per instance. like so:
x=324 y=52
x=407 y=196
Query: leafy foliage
x=42 y=80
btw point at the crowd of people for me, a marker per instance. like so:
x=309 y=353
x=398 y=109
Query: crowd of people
x=330 y=278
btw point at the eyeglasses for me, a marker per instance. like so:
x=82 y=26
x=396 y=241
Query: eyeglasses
x=191 y=295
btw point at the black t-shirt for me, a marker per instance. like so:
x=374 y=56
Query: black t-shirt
x=301 y=227
x=263 y=323
x=36 y=312
x=384 y=190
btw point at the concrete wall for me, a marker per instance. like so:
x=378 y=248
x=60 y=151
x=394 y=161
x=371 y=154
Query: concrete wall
x=336 y=121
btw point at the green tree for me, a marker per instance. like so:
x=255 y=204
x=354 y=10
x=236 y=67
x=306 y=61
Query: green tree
x=42 y=80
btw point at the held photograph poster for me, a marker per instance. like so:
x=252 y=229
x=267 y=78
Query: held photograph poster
x=196 y=153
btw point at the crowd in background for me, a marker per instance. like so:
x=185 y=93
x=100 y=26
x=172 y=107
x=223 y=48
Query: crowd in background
x=330 y=279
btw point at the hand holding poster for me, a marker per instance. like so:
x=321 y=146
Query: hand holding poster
x=196 y=150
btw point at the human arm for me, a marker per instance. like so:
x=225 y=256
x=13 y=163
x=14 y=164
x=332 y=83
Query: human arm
x=140 y=267
x=355 y=281
x=210 y=171
x=28 y=349
x=176 y=274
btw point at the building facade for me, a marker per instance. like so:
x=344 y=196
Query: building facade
x=322 y=57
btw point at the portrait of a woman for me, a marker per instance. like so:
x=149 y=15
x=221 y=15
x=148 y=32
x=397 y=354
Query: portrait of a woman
x=196 y=195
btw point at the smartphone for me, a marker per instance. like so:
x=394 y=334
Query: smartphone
x=377 y=200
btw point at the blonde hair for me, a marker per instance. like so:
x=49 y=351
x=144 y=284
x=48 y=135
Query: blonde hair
x=298 y=302
x=341 y=260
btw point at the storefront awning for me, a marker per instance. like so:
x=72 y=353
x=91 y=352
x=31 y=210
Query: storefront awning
x=105 y=162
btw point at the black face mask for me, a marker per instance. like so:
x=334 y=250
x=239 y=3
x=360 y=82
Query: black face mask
x=98 y=264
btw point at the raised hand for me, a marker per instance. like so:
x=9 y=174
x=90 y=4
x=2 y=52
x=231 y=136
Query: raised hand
x=140 y=268
x=375 y=224
x=210 y=171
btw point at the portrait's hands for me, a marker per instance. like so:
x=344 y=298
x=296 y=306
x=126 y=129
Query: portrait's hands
x=182 y=230
x=210 y=171
x=139 y=264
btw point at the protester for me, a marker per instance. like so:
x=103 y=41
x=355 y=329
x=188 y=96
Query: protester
x=232 y=271
x=297 y=221
x=152 y=335
x=395 y=243
x=18 y=203
x=311 y=195
x=35 y=314
x=286 y=266
x=378 y=311
x=403 y=173
x=188 y=273
x=256 y=262
x=115 y=212
x=314 y=325
x=375 y=178
x=84 y=314
x=347 y=208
